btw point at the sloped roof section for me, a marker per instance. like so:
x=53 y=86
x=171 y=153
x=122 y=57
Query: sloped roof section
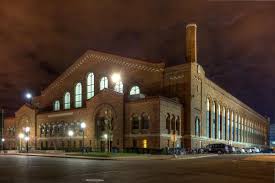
x=101 y=57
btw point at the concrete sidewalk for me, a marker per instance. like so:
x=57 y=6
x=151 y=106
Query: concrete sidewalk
x=122 y=158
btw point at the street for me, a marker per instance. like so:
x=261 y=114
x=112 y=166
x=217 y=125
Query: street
x=224 y=168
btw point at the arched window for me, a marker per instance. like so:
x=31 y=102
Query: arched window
x=103 y=83
x=214 y=120
x=78 y=95
x=134 y=90
x=208 y=129
x=228 y=125
x=168 y=127
x=173 y=122
x=56 y=105
x=90 y=85
x=240 y=128
x=67 y=101
x=145 y=121
x=232 y=126
x=223 y=124
x=119 y=87
x=236 y=127
x=135 y=122
x=178 y=124
x=197 y=126
x=219 y=122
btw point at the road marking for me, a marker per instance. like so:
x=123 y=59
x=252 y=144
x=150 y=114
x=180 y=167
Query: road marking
x=94 y=180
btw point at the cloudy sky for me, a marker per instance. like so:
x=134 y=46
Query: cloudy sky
x=40 y=39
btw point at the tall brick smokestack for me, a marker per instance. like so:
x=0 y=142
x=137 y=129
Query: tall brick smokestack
x=191 y=43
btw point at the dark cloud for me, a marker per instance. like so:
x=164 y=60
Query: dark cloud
x=40 y=39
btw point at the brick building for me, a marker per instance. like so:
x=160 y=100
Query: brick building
x=127 y=103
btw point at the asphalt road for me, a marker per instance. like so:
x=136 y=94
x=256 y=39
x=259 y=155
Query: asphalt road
x=224 y=168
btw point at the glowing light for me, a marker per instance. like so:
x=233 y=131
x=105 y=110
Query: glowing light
x=116 y=77
x=28 y=95
x=27 y=138
x=70 y=133
x=21 y=135
x=83 y=125
x=105 y=136
x=27 y=129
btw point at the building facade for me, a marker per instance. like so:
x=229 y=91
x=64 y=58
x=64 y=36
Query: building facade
x=128 y=103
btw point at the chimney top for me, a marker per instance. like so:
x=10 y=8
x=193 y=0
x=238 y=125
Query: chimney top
x=191 y=42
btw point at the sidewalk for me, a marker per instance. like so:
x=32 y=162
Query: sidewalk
x=124 y=158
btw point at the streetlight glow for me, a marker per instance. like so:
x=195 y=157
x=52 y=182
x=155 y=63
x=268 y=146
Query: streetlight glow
x=83 y=125
x=116 y=77
x=21 y=135
x=3 y=140
x=27 y=139
x=27 y=129
x=70 y=133
x=106 y=136
x=28 y=95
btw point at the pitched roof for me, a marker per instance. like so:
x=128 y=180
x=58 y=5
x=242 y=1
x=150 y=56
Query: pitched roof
x=98 y=57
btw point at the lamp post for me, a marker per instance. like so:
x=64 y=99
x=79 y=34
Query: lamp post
x=70 y=133
x=29 y=97
x=27 y=138
x=3 y=140
x=106 y=139
x=83 y=126
x=21 y=136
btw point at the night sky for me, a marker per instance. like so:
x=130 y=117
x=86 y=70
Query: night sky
x=40 y=39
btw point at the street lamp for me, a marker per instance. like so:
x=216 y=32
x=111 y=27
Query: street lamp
x=3 y=140
x=21 y=136
x=107 y=141
x=83 y=126
x=27 y=142
x=27 y=138
x=70 y=133
x=29 y=97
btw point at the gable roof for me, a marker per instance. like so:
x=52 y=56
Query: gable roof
x=98 y=57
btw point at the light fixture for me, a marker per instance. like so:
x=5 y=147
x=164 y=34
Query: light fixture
x=116 y=77
x=27 y=129
x=105 y=136
x=83 y=125
x=3 y=140
x=70 y=133
x=27 y=138
x=28 y=95
x=21 y=135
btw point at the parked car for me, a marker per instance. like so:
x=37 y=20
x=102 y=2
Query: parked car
x=255 y=150
x=248 y=150
x=239 y=150
x=266 y=151
x=219 y=148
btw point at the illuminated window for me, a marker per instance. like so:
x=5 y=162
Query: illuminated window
x=197 y=126
x=56 y=106
x=214 y=120
x=145 y=145
x=103 y=83
x=134 y=90
x=208 y=118
x=119 y=87
x=90 y=85
x=78 y=95
x=67 y=101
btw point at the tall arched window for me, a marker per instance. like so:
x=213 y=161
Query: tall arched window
x=240 y=127
x=168 y=125
x=67 y=101
x=214 y=120
x=223 y=124
x=135 y=122
x=232 y=126
x=236 y=127
x=178 y=124
x=119 y=87
x=208 y=118
x=56 y=106
x=219 y=122
x=134 y=90
x=103 y=83
x=197 y=126
x=173 y=123
x=78 y=95
x=90 y=85
x=145 y=121
x=228 y=125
